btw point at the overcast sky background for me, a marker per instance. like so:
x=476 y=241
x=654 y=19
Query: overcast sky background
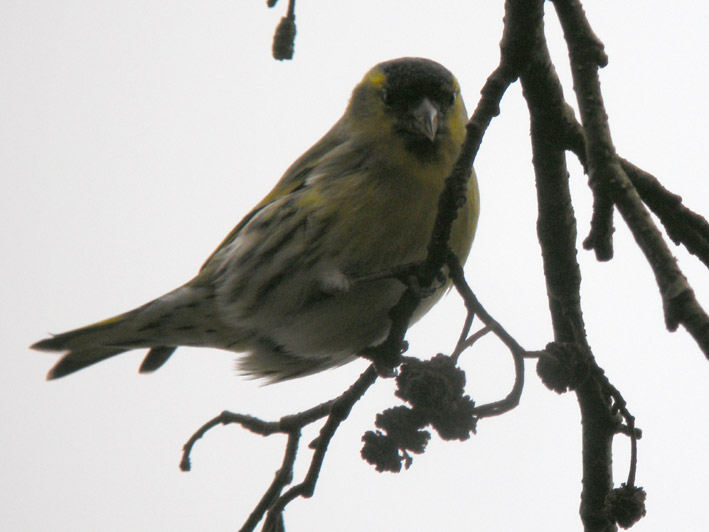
x=135 y=135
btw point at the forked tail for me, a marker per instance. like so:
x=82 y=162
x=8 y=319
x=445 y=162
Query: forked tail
x=161 y=325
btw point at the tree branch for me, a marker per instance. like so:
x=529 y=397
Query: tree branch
x=556 y=229
x=341 y=409
x=273 y=501
x=682 y=224
x=608 y=179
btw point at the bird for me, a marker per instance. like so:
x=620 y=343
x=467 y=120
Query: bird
x=294 y=287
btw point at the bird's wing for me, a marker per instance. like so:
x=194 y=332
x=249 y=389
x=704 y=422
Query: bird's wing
x=292 y=180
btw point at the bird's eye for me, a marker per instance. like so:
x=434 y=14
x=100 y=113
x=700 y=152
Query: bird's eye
x=386 y=97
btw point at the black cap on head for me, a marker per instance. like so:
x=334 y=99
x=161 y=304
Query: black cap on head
x=412 y=77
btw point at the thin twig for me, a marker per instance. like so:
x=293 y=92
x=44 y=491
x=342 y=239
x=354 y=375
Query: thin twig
x=340 y=410
x=282 y=478
x=620 y=406
x=336 y=410
x=471 y=301
x=256 y=425
x=468 y=342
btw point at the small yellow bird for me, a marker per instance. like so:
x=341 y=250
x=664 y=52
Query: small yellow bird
x=289 y=287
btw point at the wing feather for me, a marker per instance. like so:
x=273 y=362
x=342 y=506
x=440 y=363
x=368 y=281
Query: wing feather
x=292 y=180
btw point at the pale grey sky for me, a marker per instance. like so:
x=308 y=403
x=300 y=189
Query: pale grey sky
x=133 y=136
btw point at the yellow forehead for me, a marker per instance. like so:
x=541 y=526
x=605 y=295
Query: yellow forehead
x=375 y=78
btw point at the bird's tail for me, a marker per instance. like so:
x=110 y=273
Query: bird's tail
x=160 y=325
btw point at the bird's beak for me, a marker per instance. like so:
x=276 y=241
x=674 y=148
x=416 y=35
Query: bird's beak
x=426 y=119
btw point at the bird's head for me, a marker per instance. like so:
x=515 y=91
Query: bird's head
x=410 y=103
